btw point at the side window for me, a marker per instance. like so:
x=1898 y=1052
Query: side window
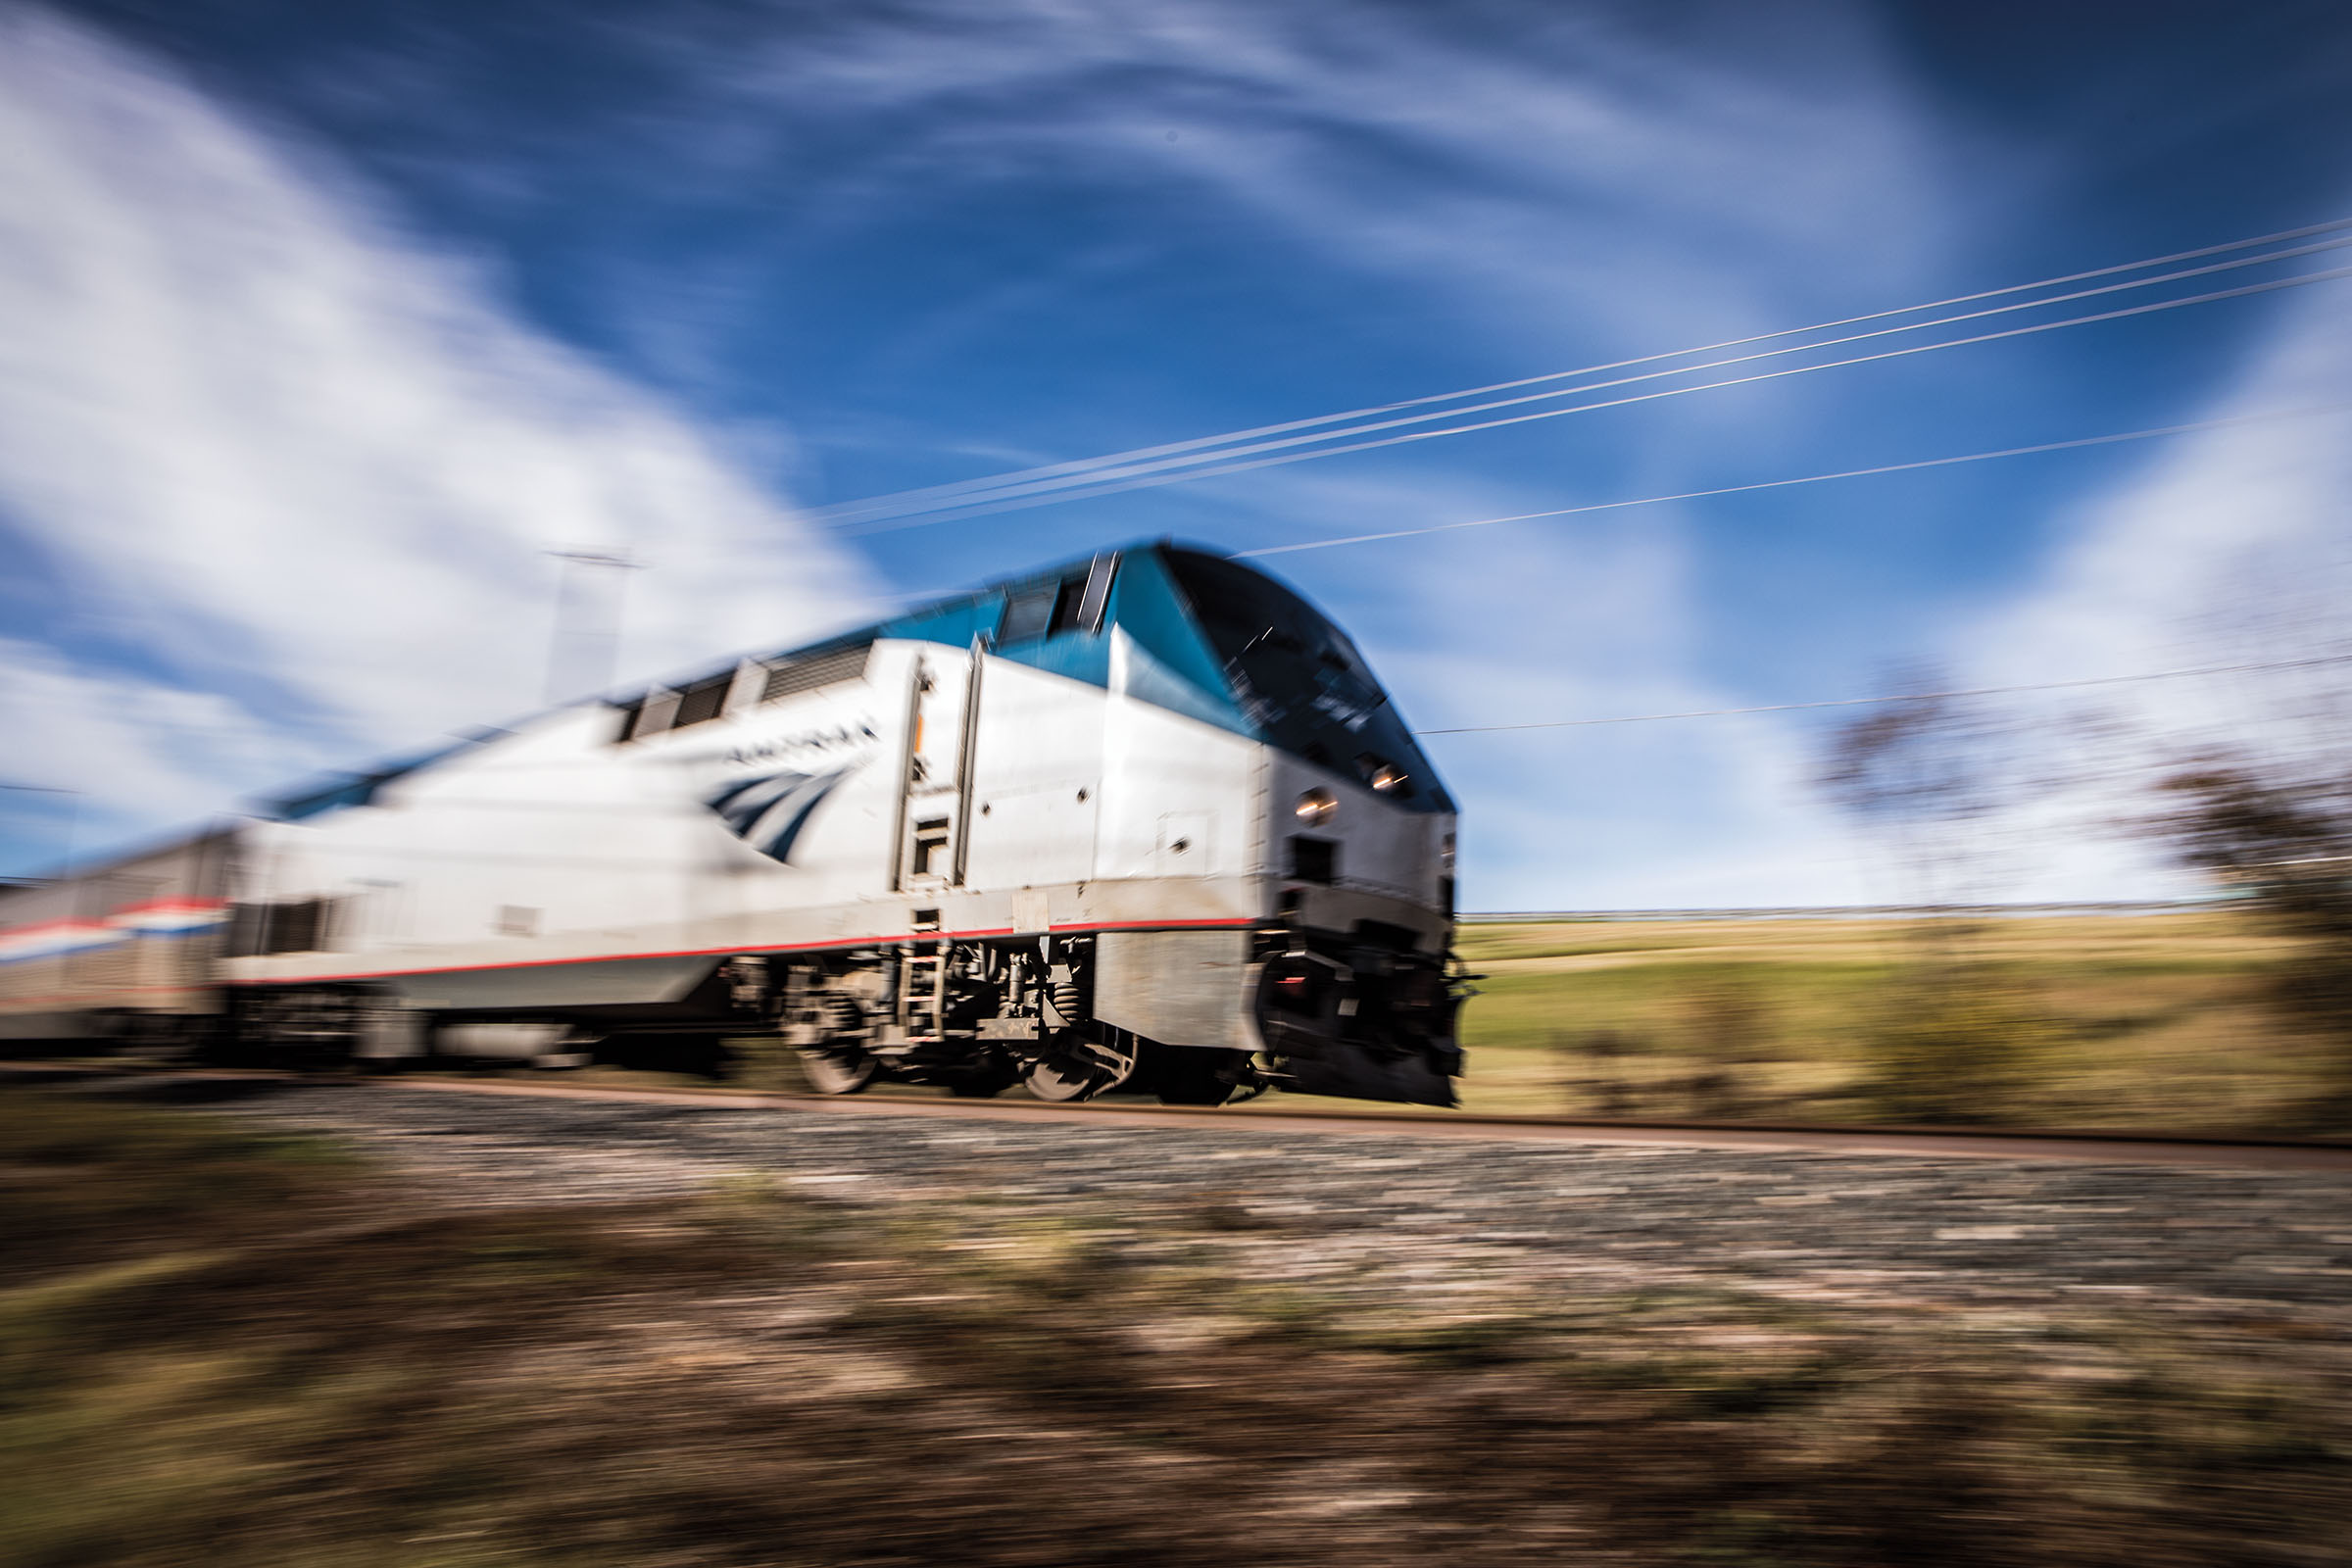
x=1027 y=614
x=248 y=927
x=1076 y=603
x=1066 y=602
x=302 y=926
x=1080 y=605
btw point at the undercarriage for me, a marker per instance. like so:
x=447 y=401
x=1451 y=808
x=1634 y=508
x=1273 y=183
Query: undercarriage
x=1363 y=1015
x=977 y=1019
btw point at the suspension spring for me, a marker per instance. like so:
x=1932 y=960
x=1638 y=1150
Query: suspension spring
x=1067 y=1000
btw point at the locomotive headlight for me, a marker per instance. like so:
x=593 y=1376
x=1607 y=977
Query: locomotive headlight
x=1387 y=778
x=1316 y=807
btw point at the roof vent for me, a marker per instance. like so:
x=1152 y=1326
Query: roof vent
x=789 y=678
x=704 y=700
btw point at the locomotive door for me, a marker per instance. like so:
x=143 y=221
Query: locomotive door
x=935 y=774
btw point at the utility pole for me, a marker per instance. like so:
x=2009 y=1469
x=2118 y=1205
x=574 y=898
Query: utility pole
x=586 y=638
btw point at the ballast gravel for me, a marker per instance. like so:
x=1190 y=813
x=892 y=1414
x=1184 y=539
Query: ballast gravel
x=708 y=1336
x=1389 y=1216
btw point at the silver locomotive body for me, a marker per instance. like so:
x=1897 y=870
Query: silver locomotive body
x=1146 y=820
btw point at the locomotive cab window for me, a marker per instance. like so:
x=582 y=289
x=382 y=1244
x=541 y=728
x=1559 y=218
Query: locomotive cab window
x=1299 y=680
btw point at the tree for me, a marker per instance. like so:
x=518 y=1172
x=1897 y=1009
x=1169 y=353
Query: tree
x=2282 y=839
x=1920 y=776
x=1951 y=1038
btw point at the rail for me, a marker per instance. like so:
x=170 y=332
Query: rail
x=2079 y=1145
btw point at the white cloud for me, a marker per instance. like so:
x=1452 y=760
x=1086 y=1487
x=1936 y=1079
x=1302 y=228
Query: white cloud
x=2228 y=546
x=310 y=461
x=1554 y=181
x=2190 y=560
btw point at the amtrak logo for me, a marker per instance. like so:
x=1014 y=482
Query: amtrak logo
x=768 y=812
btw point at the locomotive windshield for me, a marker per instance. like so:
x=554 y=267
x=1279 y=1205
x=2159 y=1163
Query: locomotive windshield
x=1299 y=680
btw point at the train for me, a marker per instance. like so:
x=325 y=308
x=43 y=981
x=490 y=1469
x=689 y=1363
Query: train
x=1143 y=822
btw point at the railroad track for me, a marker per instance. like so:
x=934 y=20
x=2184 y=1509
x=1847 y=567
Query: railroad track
x=1939 y=1143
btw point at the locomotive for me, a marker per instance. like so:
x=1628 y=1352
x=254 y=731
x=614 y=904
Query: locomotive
x=1140 y=822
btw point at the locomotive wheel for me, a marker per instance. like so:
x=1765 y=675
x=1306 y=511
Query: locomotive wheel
x=838 y=1072
x=1080 y=1070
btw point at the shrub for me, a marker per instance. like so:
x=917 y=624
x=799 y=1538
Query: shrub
x=1957 y=1042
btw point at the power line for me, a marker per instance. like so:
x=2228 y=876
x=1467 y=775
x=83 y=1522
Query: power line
x=1095 y=471
x=1809 y=478
x=1903 y=697
x=875 y=505
x=1104 y=481
x=983 y=507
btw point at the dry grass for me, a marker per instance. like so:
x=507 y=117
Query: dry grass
x=2151 y=1021
x=242 y=1352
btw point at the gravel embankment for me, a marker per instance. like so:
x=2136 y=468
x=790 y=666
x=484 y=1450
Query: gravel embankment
x=1383 y=1215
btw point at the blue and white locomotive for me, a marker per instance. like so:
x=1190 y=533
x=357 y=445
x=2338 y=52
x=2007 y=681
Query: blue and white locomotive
x=1145 y=821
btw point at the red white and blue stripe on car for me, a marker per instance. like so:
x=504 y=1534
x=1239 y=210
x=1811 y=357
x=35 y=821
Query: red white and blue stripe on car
x=158 y=918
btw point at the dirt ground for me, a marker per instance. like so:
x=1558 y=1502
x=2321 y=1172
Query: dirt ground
x=317 y=1324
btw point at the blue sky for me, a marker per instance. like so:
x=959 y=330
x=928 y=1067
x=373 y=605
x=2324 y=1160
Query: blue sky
x=331 y=320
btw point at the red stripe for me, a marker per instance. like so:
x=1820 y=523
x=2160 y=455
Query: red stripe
x=172 y=906
x=57 y=925
x=1157 y=925
x=712 y=953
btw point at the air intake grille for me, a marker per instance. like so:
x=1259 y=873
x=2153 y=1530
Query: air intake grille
x=793 y=676
x=702 y=700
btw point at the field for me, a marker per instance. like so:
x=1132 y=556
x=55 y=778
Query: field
x=2095 y=1022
